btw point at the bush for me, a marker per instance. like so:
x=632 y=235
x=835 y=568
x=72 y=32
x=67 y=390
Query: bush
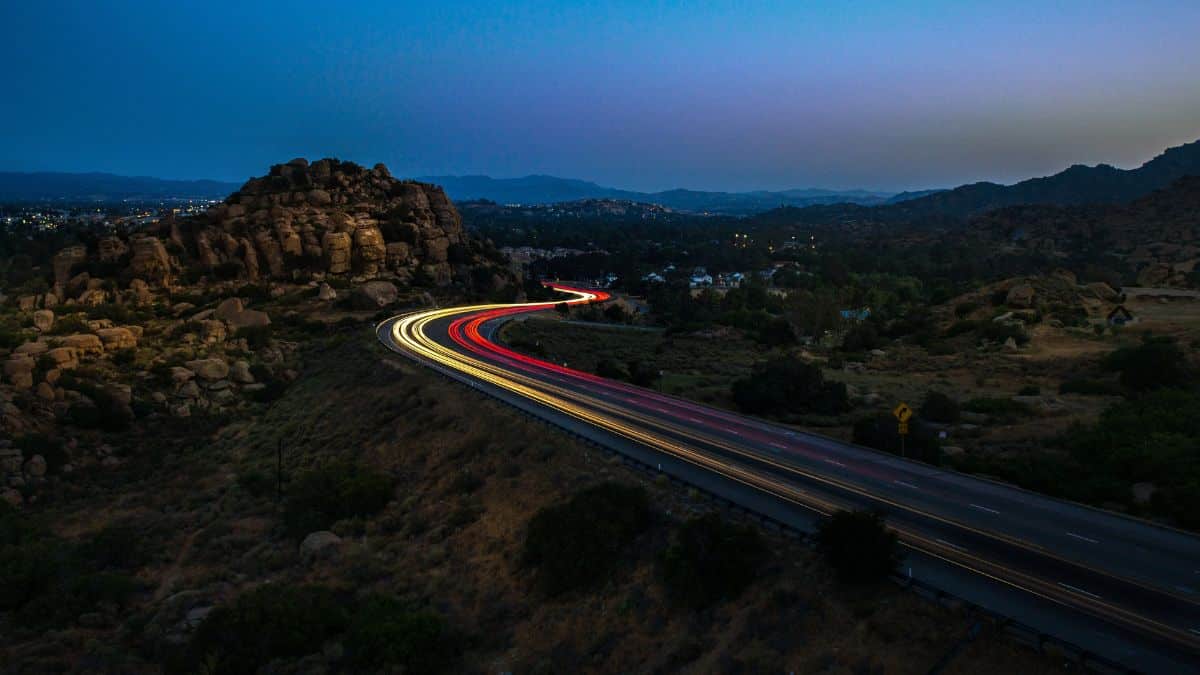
x=69 y=325
x=116 y=547
x=709 y=560
x=789 y=384
x=256 y=482
x=270 y=622
x=939 y=407
x=339 y=490
x=579 y=543
x=1156 y=363
x=385 y=633
x=861 y=338
x=859 y=546
x=1030 y=390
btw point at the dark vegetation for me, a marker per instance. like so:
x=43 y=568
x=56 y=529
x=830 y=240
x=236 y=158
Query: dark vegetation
x=271 y=622
x=709 y=560
x=788 y=384
x=859 y=546
x=580 y=543
x=337 y=490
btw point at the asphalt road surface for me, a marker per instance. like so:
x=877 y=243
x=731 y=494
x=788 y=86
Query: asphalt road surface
x=1123 y=589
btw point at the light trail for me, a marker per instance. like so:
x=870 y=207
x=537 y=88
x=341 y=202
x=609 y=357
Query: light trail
x=460 y=347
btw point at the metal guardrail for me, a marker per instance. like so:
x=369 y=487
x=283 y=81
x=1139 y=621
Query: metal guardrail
x=1019 y=632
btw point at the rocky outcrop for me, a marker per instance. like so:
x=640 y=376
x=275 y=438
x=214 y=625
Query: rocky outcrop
x=232 y=312
x=64 y=263
x=375 y=294
x=150 y=260
x=345 y=213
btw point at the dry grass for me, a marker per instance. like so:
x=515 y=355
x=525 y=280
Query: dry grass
x=470 y=473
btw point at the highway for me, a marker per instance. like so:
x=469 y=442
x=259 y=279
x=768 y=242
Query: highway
x=1122 y=589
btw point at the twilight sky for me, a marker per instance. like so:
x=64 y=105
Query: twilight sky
x=898 y=94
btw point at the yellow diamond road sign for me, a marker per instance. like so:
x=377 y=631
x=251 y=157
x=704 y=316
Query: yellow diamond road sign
x=903 y=412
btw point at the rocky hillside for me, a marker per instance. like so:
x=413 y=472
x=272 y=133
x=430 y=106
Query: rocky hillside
x=301 y=222
x=1155 y=238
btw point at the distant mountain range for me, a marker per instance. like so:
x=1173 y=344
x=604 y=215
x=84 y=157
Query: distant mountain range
x=53 y=186
x=1102 y=184
x=550 y=189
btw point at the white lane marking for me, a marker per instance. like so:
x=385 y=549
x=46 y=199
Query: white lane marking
x=779 y=445
x=953 y=546
x=907 y=485
x=696 y=420
x=1082 y=538
x=984 y=508
x=833 y=462
x=1079 y=590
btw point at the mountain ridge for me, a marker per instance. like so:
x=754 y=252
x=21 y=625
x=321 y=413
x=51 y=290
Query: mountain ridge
x=101 y=186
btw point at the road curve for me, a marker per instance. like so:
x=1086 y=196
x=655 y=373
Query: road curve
x=1123 y=589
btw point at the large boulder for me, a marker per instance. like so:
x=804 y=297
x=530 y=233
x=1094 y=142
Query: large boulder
x=18 y=372
x=1104 y=291
x=370 y=252
x=43 y=320
x=211 y=369
x=117 y=338
x=375 y=295
x=336 y=248
x=319 y=545
x=325 y=292
x=64 y=358
x=1021 y=295
x=232 y=312
x=150 y=260
x=84 y=343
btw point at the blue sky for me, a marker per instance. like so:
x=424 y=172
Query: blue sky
x=643 y=95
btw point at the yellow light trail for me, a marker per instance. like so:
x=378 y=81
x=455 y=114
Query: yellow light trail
x=409 y=332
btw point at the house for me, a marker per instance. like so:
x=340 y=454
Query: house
x=1120 y=316
x=861 y=314
x=700 y=280
x=654 y=278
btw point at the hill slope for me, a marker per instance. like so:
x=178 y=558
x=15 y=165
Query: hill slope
x=1102 y=184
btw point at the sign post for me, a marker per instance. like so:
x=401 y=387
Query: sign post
x=903 y=414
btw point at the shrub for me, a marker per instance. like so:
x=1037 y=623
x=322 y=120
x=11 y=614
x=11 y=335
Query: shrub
x=861 y=338
x=1156 y=363
x=116 y=547
x=709 y=560
x=939 y=407
x=611 y=369
x=256 y=482
x=789 y=384
x=579 y=543
x=69 y=325
x=1030 y=390
x=385 y=633
x=322 y=496
x=859 y=546
x=270 y=622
